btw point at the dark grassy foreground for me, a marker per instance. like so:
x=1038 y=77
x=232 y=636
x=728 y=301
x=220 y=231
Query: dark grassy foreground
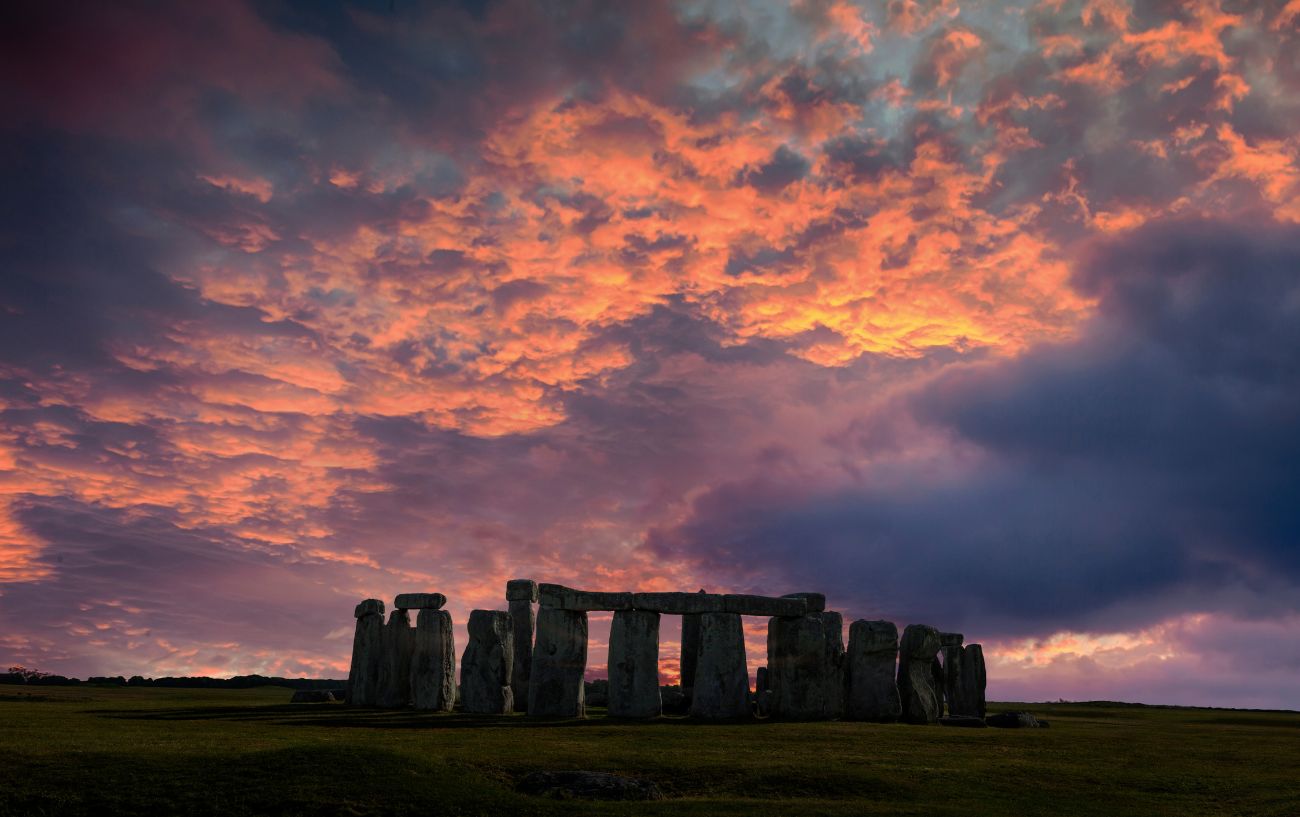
x=68 y=750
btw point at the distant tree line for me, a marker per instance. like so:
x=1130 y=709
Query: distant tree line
x=23 y=675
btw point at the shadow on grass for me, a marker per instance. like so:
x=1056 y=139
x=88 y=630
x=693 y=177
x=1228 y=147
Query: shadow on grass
x=298 y=780
x=334 y=715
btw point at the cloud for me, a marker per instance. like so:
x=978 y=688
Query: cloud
x=1142 y=470
x=423 y=296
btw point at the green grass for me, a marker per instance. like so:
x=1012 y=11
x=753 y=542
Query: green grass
x=97 y=751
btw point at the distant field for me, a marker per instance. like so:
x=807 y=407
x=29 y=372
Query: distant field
x=97 y=751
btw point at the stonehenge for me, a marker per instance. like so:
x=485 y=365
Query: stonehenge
x=805 y=666
x=555 y=689
x=964 y=680
x=433 y=663
x=690 y=651
x=634 y=665
x=916 y=692
x=721 y=689
x=367 y=653
x=521 y=595
x=872 y=687
x=534 y=660
x=487 y=663
x=395 y=664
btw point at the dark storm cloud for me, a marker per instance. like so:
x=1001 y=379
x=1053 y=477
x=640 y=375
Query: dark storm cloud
x=1147 y=469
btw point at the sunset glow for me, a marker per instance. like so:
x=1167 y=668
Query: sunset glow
x=981 y=315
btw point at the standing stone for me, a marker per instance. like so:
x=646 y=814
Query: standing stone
x=433 y=664
x=485 y=667
x=805 y=659
x=967 y=680
x=690 y=650
x=936 y=677
x=952 y=691
x=761 y=681
x=721 y=677
x=555 y=688
x=915 y=675
x=395 y=668
x=634 y=665
x=367 y=654
x=872 y=686
x=521 y=594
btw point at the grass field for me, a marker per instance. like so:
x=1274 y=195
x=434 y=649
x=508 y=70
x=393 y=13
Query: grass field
x=97 y=751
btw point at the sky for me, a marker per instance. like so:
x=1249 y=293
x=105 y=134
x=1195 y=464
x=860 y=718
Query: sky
x=978 y=315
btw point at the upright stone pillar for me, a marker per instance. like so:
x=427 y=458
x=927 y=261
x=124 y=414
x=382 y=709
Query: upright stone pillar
x=966 y=679
x=634 y=665
x=872 y=685
x=521 y=595
x=690 y=656
x=395 y=668
x=559 y=662
x=433 y=664
x=721 y=677
x=367 y=653
x=805 y=659
x=915 y=676
x=486 y=666
x=939 y=669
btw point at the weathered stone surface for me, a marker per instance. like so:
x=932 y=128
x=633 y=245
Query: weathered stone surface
x=805 y=660
x=419 y=601
x=871 y=660
x=395 y=667
x=433 y=663
x=566 y=598
x=521 y=613
x=634 y=665
x=936 y=677
x=690 y=649
x=581 y=785
x=747 y=605
x=1015 y=720
x=367 y=653
x=521 y=590
x=966 y=695
x=559 y=660
x=313 y=696
x=916 y=691
x=951 y=639
x=761 y=680
x=487 y=663
x=949 y=681
x=816 y=601
x=721 y=678
x=678 y=603
x=369 y=607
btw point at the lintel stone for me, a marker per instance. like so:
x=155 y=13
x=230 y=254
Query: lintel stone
x=747 y=605
x=566 y=598
x=419 y=601
x=678 y=603
x=521 y=590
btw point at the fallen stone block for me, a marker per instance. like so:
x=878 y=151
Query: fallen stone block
x=582 y=785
